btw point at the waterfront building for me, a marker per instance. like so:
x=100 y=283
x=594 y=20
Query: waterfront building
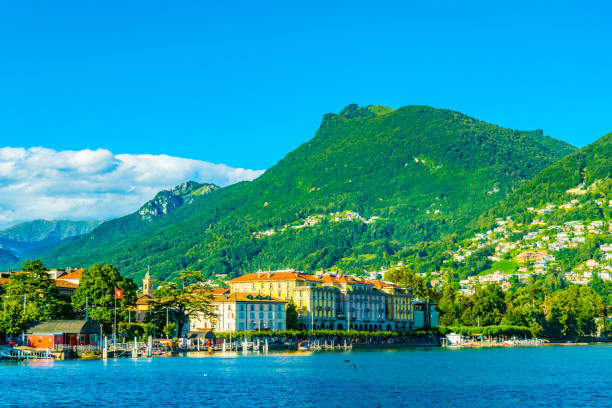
x=425 y=314
x=241 y=311
x=55 y=334
x=331 y=301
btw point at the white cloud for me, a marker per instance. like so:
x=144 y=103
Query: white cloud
x=94 y=184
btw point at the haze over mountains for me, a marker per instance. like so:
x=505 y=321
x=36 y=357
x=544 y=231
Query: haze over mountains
x=371 y=184
x=26 y=236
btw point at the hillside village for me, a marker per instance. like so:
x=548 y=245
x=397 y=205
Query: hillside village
x=557 y=239
x=311 y=221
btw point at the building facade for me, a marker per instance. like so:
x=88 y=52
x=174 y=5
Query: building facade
x=425 y=314
x=242 y=311
x=331 y=301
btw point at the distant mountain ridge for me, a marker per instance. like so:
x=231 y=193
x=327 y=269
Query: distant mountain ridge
x=164 y=203
x=26 y=236
x=372 y=182
x=7 y=257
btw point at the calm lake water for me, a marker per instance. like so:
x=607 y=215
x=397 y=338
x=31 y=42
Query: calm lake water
x=544 y=376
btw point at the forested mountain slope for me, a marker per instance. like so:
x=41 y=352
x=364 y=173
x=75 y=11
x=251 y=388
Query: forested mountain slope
x=371 y=183
x=557 y=222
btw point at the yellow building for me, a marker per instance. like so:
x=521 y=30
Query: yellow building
x=334 y=302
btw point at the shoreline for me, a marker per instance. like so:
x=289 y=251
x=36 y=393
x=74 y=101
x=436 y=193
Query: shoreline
x=295 y=351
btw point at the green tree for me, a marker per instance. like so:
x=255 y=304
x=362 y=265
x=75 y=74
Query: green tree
x=404 y=277
x=169 y=330
x=451 y=305
x=97 y=290
x=31 y=295
x=488 y=307
x=292 y=316
x=571 y=312
x=189 y=299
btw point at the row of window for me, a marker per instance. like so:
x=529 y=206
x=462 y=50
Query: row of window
x=263 y=307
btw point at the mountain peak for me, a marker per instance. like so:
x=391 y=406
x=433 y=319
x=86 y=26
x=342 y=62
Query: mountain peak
x=353 y=111
x=169 y=200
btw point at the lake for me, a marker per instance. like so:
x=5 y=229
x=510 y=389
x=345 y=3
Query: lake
x=534 y=376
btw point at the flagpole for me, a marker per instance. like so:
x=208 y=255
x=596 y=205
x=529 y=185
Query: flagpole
x=115 y=325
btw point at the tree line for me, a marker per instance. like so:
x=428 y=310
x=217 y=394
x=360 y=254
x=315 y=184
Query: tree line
x=31 y=295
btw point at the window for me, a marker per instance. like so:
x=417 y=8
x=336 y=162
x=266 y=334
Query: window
x=269 y=315
x=252 y=315
x=261 y=315
x=241 y=326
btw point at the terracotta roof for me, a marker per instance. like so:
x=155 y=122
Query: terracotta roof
x=65 y=284
x=343 y=279
x=275 y=276
x=220 y=291
x=381 y=284
x=59 y=283
x=246 y=297
x=75 y=274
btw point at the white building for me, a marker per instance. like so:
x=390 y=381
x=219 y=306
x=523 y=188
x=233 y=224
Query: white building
x=242 y=311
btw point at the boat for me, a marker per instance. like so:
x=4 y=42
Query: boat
x=8 y=354
x=303 y=346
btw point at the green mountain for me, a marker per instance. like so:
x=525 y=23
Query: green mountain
x=164 y=203
x=563 y=217
x=26 y=236
x=556 y=145
x=169 y=200
x=371 y=183
x=582 y=168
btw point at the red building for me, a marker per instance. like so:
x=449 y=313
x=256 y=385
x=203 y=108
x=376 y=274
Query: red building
x=60 y=333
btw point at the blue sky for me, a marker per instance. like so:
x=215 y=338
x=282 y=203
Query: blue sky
x=245 y=83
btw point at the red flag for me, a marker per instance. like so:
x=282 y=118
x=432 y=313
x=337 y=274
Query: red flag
x=118 y=294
